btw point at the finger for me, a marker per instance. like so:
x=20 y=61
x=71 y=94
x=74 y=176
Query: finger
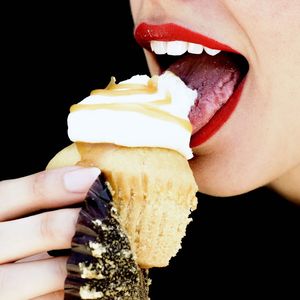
x=39 y=256
x=36 y=234
x=47 y=189
x=59 y=295
x=32 y=279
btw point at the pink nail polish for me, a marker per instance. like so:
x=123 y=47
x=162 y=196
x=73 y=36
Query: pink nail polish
x=80 y=180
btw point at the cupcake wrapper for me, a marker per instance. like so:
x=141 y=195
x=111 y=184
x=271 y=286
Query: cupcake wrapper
x=101 y=264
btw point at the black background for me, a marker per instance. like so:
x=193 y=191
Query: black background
x=52 y=57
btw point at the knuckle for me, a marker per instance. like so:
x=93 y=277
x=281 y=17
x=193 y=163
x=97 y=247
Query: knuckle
x=47 y=226
x=58 y=226
x=39 y=187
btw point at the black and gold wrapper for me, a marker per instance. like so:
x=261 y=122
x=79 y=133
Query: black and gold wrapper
x=101 y=264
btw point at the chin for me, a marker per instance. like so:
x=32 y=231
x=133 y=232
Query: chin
x=217 y=184
x=222 y=172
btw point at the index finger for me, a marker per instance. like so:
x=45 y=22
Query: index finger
x=46 y=189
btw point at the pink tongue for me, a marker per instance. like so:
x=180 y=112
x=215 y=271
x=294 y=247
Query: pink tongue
x=214 y=77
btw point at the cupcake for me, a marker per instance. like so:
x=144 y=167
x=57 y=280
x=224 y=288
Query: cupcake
x=137 y=132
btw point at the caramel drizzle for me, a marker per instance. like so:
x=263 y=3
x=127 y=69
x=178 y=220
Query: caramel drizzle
x=123 y=89
x=148 y=108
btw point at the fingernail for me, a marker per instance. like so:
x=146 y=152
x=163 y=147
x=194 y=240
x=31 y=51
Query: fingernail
x=80 y=180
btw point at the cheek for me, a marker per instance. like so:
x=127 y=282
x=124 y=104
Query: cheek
x=236 y=169
x=261 y=141
x=233 y=169
x=252 y=149
x=135 y=6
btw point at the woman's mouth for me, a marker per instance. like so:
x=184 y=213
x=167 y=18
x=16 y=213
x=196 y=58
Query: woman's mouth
x=215 y=70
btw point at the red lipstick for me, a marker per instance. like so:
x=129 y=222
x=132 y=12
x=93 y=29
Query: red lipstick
x=144 y=33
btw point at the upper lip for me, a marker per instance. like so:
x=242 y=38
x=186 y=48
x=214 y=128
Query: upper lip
x=144 y=33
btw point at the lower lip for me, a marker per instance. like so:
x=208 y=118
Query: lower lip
x=217 y=121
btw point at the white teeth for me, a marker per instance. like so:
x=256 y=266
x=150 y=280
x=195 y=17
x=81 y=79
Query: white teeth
x=176 y=47
x=211 y=52
x=195 y=48
x=159 y=47
x=180 y=47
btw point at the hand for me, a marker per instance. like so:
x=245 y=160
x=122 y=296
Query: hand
x=27 y=233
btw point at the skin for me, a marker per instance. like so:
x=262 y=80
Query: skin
x=23 y=260
x=259 y=145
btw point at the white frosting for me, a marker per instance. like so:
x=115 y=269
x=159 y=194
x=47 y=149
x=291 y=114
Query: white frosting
x=135 y=129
